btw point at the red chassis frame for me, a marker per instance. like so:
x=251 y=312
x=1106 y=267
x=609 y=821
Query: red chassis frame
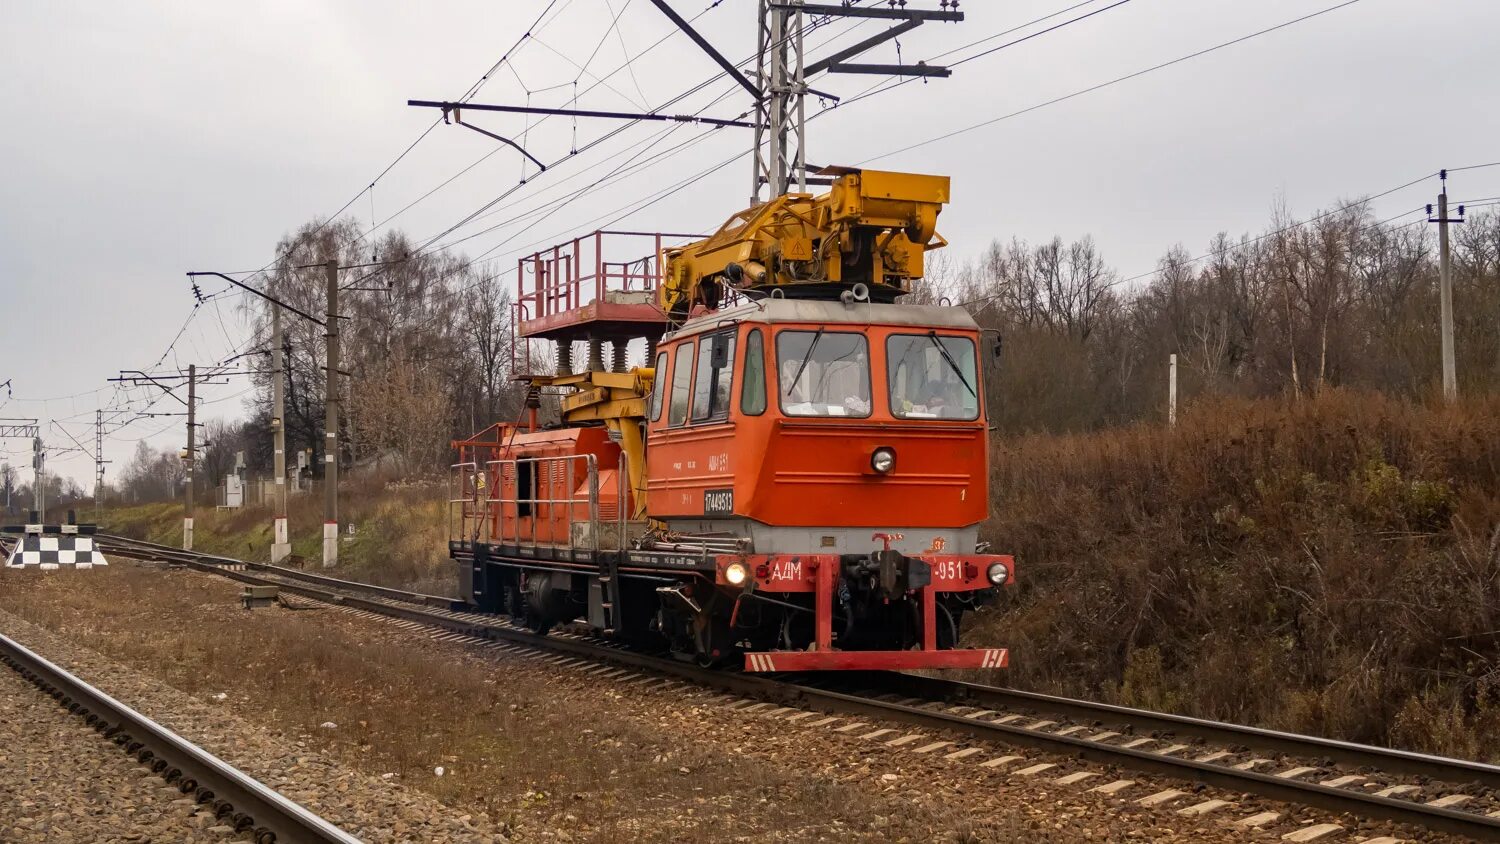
x=818 y=574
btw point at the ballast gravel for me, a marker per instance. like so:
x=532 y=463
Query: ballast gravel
x=61 y=782
x=68 y=777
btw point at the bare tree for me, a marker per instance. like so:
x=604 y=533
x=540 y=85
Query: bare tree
x=404 y=415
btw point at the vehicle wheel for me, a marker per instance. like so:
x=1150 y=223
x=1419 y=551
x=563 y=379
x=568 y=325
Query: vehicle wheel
x=714 y=646
x=515 y=603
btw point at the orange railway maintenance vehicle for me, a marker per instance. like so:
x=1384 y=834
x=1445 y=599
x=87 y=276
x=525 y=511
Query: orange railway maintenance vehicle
x=793 y=482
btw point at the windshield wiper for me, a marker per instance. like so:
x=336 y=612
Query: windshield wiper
x=805 y=361
x=952 y=364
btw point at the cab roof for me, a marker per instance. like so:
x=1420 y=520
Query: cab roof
x=823 y=312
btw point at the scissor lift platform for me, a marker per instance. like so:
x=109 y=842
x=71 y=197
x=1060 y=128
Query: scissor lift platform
x=574 y=291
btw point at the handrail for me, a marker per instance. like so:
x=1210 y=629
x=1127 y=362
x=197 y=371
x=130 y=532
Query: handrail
x=621 y=483
x=463 y=501
x=560 y=281
x=591 y=496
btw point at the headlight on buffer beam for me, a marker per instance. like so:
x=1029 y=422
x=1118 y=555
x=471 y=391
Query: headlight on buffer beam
x=998 y=574
x=883 y=460
x=736 y=573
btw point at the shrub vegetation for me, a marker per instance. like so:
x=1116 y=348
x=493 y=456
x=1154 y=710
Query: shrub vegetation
x=1329 y=565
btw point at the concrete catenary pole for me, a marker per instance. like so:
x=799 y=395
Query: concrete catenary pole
x=192 y=432
x=38 y=480
x=99 y=462
x=281 y=546
x=1445 y=295
x=331 y=425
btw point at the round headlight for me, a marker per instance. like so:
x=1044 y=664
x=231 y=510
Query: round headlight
x=735 y=573
x=997 y=574
x=883 y=460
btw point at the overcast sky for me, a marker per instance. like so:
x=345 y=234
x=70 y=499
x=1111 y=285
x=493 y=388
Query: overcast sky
x=143 y=140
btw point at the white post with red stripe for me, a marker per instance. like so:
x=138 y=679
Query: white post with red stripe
x=330 y=544
x=331 y=423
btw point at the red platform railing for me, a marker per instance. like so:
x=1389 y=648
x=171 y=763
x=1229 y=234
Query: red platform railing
x=575 y=273
x=556 y=286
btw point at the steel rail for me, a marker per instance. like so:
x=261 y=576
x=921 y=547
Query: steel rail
x=1388 y=760
x=246 y=802
x=171 y=554
x=792 y=692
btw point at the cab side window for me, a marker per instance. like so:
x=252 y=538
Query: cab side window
x=659 y=385
x=715 y=375
x=753 y=392
x=682 y=374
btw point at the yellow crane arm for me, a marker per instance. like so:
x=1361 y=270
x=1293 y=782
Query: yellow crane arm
x=873 y=227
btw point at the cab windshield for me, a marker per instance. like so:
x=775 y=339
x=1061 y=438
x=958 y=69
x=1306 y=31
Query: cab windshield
x=932 y=377
x=823 y=373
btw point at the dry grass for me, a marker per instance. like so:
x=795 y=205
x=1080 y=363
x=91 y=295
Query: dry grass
x=532 y=746
x=400 y=536
x=1330 y=566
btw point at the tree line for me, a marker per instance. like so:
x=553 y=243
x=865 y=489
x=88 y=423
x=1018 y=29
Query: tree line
x=425 y=354
x=1340 y=299
x=17 y=485
x=425 y=357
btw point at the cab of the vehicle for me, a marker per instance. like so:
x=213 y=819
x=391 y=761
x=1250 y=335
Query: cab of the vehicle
x=809 y=425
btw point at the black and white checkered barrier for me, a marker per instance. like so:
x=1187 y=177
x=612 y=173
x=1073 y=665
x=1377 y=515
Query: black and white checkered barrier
x=36 y=549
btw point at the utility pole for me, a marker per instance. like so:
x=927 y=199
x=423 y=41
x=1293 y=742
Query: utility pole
x=331 y=423
x=780 y=103
x=187 y=510
x=38 y=480
x=188 y=455
x=779 y=86
x=1172 y=390
x=19 y=428
x=99 y=462
x=96 y=453
x=781 y=72
x=281 y=546
x=1445 y=288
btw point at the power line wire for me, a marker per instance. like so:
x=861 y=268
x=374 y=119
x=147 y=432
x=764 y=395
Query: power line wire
x=811 y=27
x=1115 y=81
x=1326 y=214
x=626 y=65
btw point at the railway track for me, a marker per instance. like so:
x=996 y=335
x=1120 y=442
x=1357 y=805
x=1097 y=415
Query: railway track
x=235 y=798
x=1435 y=793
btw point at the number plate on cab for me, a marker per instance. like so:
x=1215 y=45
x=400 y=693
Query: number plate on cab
x=718 y=502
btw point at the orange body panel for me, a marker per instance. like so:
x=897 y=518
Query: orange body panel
x=554 y=484
x=815 y=471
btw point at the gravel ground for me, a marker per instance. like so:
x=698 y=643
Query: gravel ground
x=371 y=808
x=555 y=753
x=63 y=782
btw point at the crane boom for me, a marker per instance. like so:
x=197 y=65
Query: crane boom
x=873 y=227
